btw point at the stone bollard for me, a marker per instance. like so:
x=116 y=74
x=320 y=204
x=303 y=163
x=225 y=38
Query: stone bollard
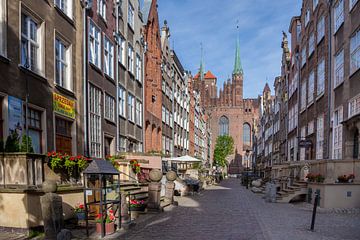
x=170 y=186
x=52 y=211
x=124 y=212
x=154 y=190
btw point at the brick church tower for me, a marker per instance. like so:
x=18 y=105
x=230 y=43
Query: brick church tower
x=229 y=113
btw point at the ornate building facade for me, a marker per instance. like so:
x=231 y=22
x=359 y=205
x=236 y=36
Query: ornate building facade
x=229 y=113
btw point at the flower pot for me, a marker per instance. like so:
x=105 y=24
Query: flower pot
x=109 y=228
x=139 y=208
x=80 y=215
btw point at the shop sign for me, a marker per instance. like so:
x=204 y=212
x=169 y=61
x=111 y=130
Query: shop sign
x=64 y=106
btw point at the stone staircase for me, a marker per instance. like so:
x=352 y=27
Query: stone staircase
x=287 y=194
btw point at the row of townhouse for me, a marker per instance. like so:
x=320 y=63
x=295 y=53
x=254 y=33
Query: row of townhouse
x=91 y=77
x=313 y=116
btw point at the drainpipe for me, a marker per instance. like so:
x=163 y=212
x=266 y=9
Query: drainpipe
x=143 y=91
x=117 y=140
x=329 y=81
x=85 y=81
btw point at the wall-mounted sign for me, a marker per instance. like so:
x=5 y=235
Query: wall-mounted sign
x=63 y=106
x=305 y=143
x=15 y=115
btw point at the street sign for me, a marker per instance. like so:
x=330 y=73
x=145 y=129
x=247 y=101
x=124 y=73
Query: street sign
x=305 y=143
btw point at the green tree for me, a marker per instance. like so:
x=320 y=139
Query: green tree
x=223 y=148
x=12 y=142
x=26 y=144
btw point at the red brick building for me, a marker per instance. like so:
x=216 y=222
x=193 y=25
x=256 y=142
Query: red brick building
x=229 y=113
x=153 y=78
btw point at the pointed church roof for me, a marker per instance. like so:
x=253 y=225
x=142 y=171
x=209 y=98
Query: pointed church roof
x=267 y=88
x=237 y=66
x=209 y=75
x=196 y=76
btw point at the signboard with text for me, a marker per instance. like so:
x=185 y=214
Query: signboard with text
x=63 y=106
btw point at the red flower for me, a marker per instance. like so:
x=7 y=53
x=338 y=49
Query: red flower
x=72 y=158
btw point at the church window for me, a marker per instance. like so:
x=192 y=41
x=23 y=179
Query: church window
x=246 y=134
x=224 y=126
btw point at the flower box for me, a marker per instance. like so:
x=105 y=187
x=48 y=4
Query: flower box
x=140 y=208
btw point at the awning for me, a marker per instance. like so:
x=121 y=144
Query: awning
x=183 y=159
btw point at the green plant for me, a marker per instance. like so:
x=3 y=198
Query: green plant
x=59 y=162
x=79 y=208
x=135 y=166
x=2 y=149
x=112 y=160
x=110 y=217
x=12 y=142
x=26 y=144
x=223 y=148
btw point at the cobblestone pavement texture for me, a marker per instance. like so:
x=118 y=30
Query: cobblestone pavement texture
x=230 y=211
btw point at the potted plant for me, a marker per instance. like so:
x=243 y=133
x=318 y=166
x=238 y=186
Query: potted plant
x=351 y=178
x=80 y=211
x=109 y=222
x=342 y=179
x=310 y=177
x=135 y=166
x=319 y=178
x=137 y=205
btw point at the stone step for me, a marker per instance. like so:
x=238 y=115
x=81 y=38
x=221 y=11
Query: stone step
x=300 y=184
x=281 y=193
x=289 y=191
x=294 y=188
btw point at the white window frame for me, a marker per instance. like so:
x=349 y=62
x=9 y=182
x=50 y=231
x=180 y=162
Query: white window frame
x=352 y=3
x=307 y=17
x=320 y=137
x=122 y=50
x=131 y=107
x=66 y=6
x=122 y=101
x=95 y=122
x=28 y=42
x=101 y=8
x=311 y=43
x=320 y=29
x=130 y=58
x=64 y=61
x=303 y=56
x=338 y=131
x=339 y=68
x=138 y=68
x=138 y=116
x=338 y=15
x=94 y=44
x=354 y=106
x=320 y=83
x=355 y=52
x=3 y=28
x=311 y=86
x=108 y=57
x=109 y=109
x=131 y=16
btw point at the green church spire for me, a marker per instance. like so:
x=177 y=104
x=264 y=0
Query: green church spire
x=201 y=70
x=237 y=66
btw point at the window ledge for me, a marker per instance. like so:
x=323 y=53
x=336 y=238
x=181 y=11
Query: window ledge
x=111 y=79
x=96 y=68
x=338 y=86
x=309 y=105
x=336 y=31
x=65 y=91
x=123 y=117
x=110 y=121
x=4 y=59
x=130 y=27
x=122 y=65
x=352 y=74
x=64 y=15
x=33 y=73
x=140 y=82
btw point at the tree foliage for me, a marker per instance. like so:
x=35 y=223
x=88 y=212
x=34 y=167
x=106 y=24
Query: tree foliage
x=223 y=148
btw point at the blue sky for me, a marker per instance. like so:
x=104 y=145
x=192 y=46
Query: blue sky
x=213 y=23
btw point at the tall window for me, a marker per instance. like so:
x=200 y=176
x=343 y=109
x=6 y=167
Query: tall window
x=337 y=137
x=320 y=29
x=303 y=96
x=307 y=17
x=355 y=52
x=101 y=5
x=138 y=113
x=131 y=16
x=163 y=114
x=302 y=150
x=108 y=58
x=303 y=56
x=95 y=121
x=130 y=59
x=319 y=137
x=62 y=65
x=35 y=129
x=65 y=6
x=122 y=52
x=352 y=4
x=311 y=44
x=122 y=101
x=94 y=44
x=30 y=43
x=131 y=107
x=320 y=86
x=339 y=68
x=310 y=97
x=122 y=144
x=224 y=126
x=138 y=68
x=339 y=14
x=246 y=134
x=3 y=27
x=315 y=3
x=109 y=108
x=354 y=106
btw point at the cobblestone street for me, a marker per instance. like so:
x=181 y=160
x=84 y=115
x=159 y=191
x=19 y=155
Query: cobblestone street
x=230 y=211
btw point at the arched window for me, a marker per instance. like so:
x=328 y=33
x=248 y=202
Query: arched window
x=246 y=134
x=224 y=126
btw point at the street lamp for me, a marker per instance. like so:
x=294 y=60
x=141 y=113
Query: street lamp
x=247 y=152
